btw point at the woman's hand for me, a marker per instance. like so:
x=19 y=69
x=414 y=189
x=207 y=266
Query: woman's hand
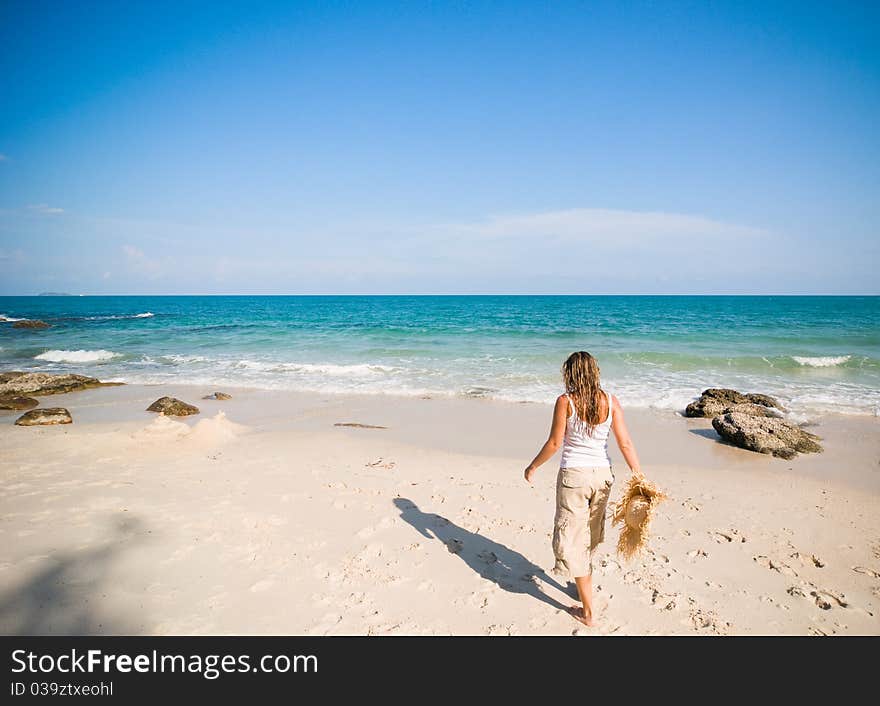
x=530 y=473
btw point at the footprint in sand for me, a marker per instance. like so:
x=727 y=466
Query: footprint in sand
x=609 y=566
x=816 y=631
x=778 y=566
x=662 y=558
x=504 y=630
x=808 y=559
x=454 y=546
x=697 y=554
x=707 y=620
x=631 y=576
x=727 y=537
x=664 y=601
x=866 y=571
x=380 y=463
x=689 y=504
x=828 y=599
x=488 y=557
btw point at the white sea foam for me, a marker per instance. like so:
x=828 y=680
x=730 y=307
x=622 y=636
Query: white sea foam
x=338 y=370
x=331 y=369
x=828 y=361
x=116 y=317
x=651 y=387
x=10 y=319
x=80 y=356
x=178 y=358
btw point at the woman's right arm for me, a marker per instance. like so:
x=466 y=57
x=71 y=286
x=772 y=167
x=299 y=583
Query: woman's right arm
x=624 y=441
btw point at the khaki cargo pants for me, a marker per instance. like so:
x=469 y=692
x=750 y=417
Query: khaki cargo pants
x=579 y=526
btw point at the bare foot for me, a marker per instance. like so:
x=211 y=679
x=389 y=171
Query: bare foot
x=577 y=612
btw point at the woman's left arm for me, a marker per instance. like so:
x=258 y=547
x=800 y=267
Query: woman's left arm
x=554 y=441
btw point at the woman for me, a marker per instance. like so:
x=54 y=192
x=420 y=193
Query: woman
x=582 y=420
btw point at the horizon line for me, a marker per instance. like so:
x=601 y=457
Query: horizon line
x=458 y=294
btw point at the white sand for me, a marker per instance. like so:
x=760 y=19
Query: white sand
x=270 y=520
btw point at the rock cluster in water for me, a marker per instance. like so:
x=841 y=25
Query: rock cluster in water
x=30 y=323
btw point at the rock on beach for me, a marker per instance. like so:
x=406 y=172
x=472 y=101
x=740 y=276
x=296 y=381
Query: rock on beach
x=16 y=383
x=44 y=417
x=716 y=401
x=173 y=407
x=18 y=402
x=765 y=435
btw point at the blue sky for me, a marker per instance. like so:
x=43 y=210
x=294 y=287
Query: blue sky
x=627 y=147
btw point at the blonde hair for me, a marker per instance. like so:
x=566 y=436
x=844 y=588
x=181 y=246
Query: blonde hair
x=580 y=373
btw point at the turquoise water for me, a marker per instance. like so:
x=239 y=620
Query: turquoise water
x=818 y=354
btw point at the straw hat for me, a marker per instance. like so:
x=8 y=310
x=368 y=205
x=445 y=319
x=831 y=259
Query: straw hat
x=634 y=511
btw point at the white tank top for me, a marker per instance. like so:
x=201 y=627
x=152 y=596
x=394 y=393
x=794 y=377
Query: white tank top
x=582 y=449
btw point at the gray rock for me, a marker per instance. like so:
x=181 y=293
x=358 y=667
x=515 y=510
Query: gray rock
x=18 y=383
x=28 y=323
x=756 y=410
x=173 y=407
x=765 y=435
x=217 y=396
x=45 y=416
x=18 y=402
x=716 y=401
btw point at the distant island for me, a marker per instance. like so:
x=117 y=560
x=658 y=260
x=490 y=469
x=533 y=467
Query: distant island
x=55 y=294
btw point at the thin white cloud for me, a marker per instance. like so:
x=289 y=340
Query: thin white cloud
x=16 y=255
x=3 y=157
x=140 y=263
x=45 y=209
x=597 y=224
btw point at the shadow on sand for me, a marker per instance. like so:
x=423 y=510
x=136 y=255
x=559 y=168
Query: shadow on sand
x=494 y=562
x=714 y=436
x=706 y=434
x=66 y=596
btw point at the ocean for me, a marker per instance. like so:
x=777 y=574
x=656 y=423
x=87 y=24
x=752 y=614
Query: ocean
x=817 y=354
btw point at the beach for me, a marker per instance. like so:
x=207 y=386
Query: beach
x=260 y=516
